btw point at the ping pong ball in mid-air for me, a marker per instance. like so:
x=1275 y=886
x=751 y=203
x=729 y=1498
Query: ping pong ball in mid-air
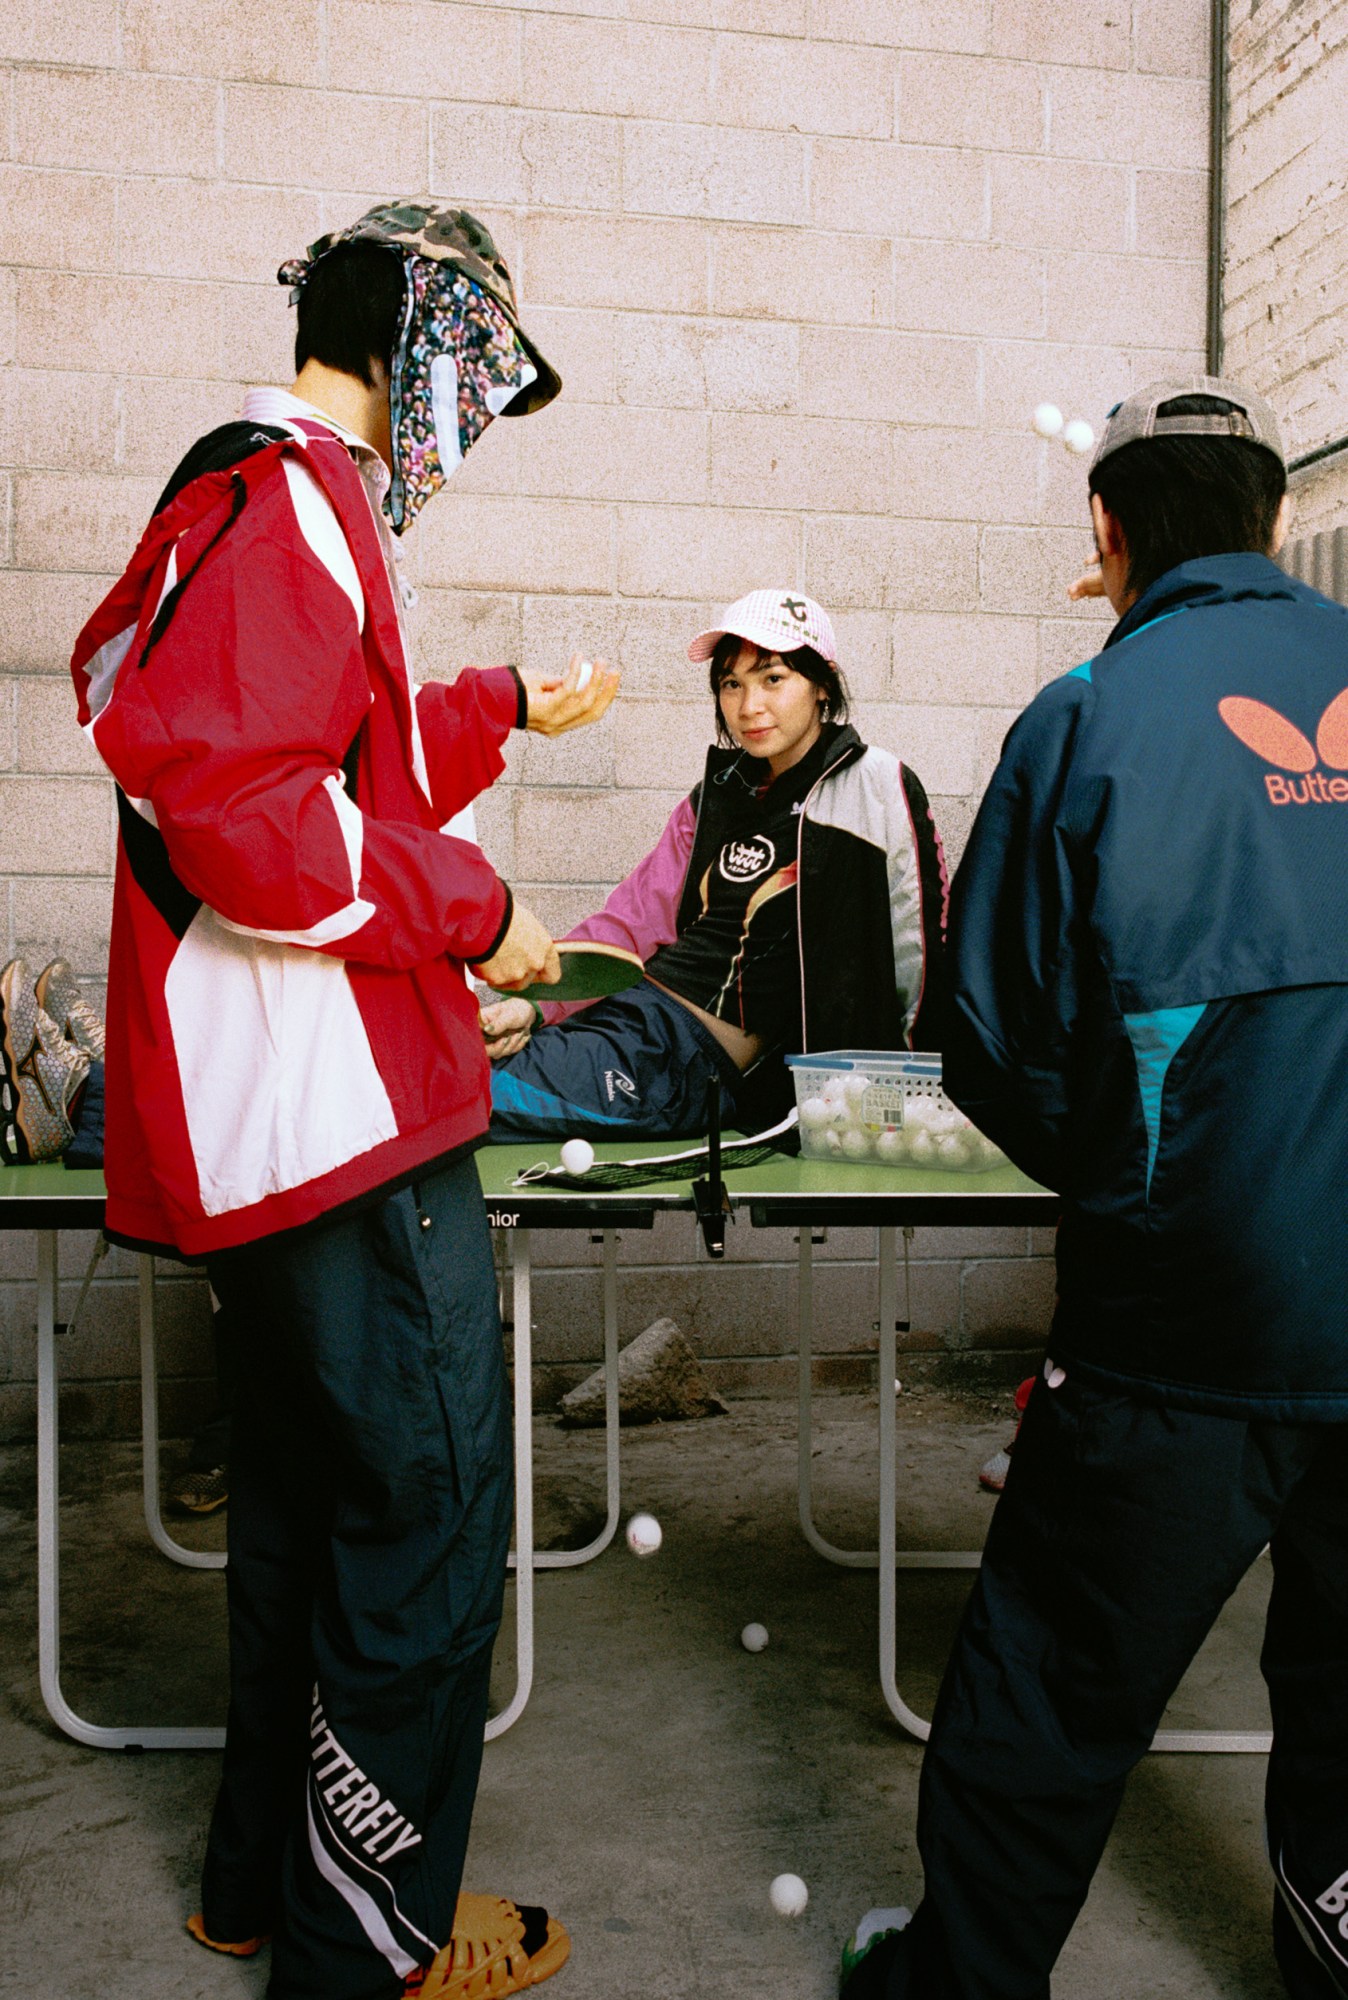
x=578 y=1156
x=788 y=1895
x=1047 y=420
x=644 y=1534
x=754 y=1638
x=1078 y=436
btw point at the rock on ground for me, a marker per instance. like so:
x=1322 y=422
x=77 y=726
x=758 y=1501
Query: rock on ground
x=659 y=1379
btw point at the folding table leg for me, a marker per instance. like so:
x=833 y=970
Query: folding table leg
x=849 y=1558
x=49 y=1545
x=149 y=1434
x=523 y=1557
x=572 y=1558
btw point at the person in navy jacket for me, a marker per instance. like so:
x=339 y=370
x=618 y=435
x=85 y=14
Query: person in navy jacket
x=1149 y=971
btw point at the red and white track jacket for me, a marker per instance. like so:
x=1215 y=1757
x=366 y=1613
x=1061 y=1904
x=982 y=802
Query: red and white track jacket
x=289 y=1023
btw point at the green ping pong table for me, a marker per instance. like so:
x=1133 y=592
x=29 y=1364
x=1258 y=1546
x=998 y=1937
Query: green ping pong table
x=783 y=1192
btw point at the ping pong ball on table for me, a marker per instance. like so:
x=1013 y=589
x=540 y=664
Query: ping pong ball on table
x=788 y=1895
x=856 y=1142
x=1047 y=420
x=855 y=1087
x=814 y=1112
x=577 y=1156
x=889 y=1145
x=1078 y=436
x=644 y=1534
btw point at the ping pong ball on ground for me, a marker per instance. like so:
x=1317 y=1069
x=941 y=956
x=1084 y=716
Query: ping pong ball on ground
x=754 y=1638
x=1078 y=436
x=1047 y=420
x=578 y=1156
x=644 y=1534
x=788 y=1895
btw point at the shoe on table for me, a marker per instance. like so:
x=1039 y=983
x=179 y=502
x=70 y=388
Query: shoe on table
x=200 y=1492
x=498 y=1948
x=869 y=1953
x=41 y=1074
x=58 y=993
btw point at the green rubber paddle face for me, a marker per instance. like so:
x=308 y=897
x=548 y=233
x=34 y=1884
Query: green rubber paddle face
x=589 y=972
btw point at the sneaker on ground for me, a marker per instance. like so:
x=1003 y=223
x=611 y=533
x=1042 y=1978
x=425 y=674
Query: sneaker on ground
x=498 y=1948
x=198 y=1492
x=992 y=1476
x=58 y=992
x=40 y=1074
x=868 y=1952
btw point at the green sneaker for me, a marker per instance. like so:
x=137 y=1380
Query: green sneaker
x=865 y=1949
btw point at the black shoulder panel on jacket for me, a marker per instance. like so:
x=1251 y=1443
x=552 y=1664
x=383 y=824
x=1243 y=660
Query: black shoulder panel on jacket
x=216 y=452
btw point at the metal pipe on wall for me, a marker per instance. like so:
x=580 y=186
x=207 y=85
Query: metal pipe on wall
x=1217 y=184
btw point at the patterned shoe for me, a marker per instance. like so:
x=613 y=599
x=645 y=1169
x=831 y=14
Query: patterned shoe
x=58 y=991
x=498 y=1948
x=40 y=1074
x=194 y=1492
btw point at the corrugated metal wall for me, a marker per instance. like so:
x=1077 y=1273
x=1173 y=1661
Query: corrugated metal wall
x=1321 y=561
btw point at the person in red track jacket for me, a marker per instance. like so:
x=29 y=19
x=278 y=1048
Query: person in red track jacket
x=296 y=1082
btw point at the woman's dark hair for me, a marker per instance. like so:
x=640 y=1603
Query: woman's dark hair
x=350 y=310
x=1178 y=498
x=802 y=660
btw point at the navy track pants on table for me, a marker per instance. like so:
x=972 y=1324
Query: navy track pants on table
x=1123 y=1529
x=635 y=1066
x=369 y=1525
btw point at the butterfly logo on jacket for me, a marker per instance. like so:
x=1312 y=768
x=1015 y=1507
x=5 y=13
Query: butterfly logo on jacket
x=1279 y=742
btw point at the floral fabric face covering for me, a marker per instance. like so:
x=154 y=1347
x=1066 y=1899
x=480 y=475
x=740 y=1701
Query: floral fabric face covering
x=459 y=363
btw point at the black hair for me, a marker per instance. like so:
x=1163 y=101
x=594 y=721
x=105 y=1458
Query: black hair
x=1178 y=498
x=801 y=659
x=350 y=310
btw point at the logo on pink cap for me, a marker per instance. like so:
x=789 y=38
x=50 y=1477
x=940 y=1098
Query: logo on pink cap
x=777 y=620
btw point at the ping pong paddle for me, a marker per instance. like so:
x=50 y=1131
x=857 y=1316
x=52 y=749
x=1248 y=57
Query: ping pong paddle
x=589 y=972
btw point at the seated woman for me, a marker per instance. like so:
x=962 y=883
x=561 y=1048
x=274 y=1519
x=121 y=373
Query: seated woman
x=795 y=901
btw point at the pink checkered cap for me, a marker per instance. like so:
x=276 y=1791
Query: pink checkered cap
x=777 y=620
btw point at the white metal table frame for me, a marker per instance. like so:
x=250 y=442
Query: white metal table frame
x=887 y=1559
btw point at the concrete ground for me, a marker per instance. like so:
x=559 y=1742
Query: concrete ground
x=661 y=1776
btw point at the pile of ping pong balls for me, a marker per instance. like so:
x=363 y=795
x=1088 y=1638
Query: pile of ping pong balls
x=1076 y=435
x=928 y=1133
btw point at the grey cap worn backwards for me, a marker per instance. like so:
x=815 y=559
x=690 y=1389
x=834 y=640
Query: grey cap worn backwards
x=1250 y=418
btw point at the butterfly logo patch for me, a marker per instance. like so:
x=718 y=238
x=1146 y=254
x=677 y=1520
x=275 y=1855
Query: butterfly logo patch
x=1280 y=743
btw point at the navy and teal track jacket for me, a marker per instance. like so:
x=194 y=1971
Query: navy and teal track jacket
x=1149 y=945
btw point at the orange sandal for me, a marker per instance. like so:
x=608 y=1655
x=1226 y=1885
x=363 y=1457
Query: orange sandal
x=498 y=1948
x=245 y=1948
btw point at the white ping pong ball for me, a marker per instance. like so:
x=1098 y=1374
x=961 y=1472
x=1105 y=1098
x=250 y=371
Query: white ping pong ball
x=814 y=1112
x=644 y=1534
x=1078 y=436
x=754 y=1638
x=855 y=1087
x=889 y=1145
x=856 y=1143
x=1047 y=420
x=788 y=1895
x=921 y=1146
x=586 y=675
x=578 y=1156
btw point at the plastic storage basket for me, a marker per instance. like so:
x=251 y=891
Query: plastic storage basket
x=862 y=1106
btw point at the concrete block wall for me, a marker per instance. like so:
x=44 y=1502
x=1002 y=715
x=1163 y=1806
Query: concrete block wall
x=806 y=267
x=1285 y=289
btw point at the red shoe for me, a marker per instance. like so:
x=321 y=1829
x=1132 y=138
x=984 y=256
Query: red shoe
x=992 y=1476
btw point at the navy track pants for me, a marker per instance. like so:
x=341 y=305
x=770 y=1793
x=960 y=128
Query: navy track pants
x=1123 y=1529
x=369 y=1524
x=635 y=1066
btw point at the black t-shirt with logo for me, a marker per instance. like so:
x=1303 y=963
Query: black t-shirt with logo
x=738 y=959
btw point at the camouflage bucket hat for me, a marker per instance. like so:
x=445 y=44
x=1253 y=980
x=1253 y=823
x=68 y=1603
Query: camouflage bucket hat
x=445 y=236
